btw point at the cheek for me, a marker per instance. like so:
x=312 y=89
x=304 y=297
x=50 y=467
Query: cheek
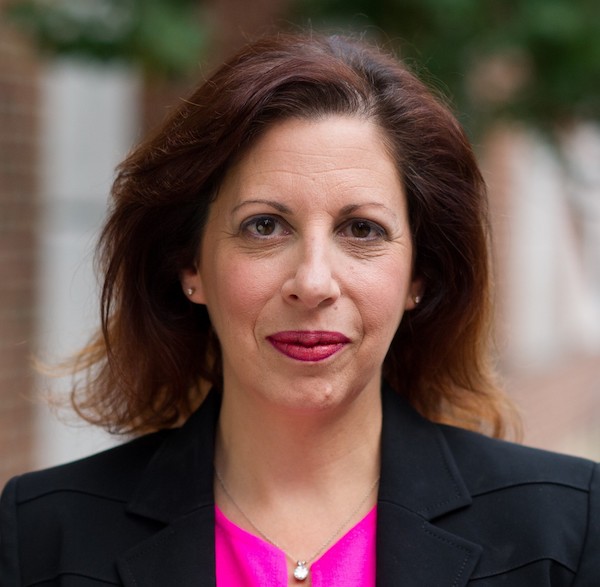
x=384 y=298
x=238 y=292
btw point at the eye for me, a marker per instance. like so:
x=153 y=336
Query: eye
x=363 y=230
x=264 y=227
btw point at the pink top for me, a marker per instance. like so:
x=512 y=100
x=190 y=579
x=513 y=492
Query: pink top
x=244 y=560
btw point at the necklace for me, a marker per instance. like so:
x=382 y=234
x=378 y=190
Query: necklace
x=302 y=565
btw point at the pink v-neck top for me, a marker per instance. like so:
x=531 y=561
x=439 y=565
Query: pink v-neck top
x=244 y=560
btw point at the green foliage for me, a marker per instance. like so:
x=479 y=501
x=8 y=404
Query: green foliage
x=535 y=60
x=165 y=36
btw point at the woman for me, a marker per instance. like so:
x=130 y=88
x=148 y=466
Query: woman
x=307 y=236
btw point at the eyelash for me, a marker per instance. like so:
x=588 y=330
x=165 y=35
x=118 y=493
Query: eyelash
x=249 y=227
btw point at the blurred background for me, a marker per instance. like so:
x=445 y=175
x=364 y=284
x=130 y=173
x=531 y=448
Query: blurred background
x=82 y=80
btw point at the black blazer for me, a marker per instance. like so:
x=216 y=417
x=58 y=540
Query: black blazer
x=454 y=508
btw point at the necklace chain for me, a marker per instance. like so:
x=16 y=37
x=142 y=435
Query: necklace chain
x=302 y=564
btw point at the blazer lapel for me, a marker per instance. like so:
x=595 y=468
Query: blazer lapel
x=182 y=554
x=177 y=489
x=419 y=482
x=412 y=552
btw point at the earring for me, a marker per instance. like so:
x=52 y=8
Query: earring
x=190 y=291
x=417 y=299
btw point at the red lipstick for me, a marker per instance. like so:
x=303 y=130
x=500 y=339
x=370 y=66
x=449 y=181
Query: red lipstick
x=308 y=345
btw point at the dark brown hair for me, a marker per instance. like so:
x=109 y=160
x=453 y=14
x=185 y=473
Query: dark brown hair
x=156 y=352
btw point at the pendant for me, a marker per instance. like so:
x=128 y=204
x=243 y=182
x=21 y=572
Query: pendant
x=301 y=571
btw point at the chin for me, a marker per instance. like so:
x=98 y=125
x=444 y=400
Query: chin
x=315 y=398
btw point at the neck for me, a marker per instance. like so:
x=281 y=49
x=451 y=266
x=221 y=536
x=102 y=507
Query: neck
x=260 y=446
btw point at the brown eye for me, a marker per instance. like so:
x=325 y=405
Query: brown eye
x=265 y=226
x=361 y=229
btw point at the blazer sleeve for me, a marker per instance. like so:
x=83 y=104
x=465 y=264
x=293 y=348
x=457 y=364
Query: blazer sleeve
x=9 y=556
x=588 y=574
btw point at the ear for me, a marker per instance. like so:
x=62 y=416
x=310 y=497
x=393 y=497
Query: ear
x=193 y=287
x=415 y=294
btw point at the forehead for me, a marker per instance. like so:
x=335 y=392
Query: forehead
x=313 y=134
x=349 y=147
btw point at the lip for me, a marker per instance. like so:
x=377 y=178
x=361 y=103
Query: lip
x=308 y=345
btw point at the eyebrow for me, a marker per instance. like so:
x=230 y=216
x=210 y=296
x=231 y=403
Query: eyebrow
x=283 y=209
x=277 y=205
x=351 y=208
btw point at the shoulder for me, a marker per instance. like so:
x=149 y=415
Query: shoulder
x=115 y=474
x=488 y=464
x=112 y=474
x=73 y=518
x=528 y=505
x=80 y=518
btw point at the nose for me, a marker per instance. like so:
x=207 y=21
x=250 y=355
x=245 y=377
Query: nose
x=312 y=282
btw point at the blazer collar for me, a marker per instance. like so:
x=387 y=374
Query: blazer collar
x=177 y=489
x=179 y=478
x=419 y=482
x=418 y=471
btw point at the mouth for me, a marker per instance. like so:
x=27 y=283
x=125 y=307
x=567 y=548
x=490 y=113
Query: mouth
x=308 y=345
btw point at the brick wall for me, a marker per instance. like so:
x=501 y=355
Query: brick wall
x=19 y=96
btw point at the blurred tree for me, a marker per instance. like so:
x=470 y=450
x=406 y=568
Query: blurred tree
x=165 y=37
x=534 y=60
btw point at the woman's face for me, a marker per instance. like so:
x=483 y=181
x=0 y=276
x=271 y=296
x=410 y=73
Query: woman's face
x=306 y=264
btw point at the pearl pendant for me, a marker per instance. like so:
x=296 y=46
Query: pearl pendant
x=301 y=571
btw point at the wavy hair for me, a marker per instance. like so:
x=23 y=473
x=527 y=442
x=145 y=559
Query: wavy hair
x=156 y=353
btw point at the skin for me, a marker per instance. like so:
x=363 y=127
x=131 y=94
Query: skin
x=309 y=233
